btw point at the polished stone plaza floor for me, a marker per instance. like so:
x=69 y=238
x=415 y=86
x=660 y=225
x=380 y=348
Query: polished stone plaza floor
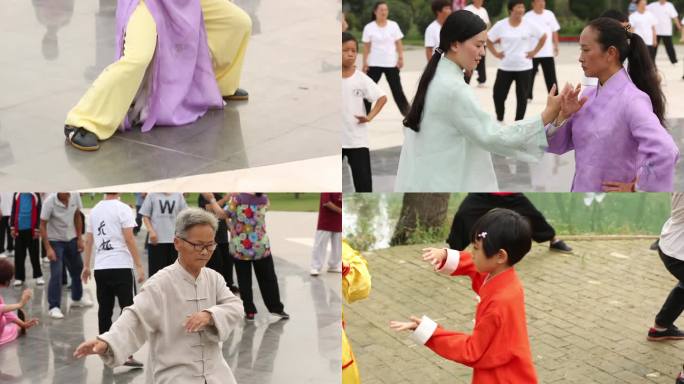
x=58 y=47
x=304 y=349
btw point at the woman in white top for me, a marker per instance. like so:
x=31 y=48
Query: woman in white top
x=384 y=53
x=520 y=40
x=644 y=24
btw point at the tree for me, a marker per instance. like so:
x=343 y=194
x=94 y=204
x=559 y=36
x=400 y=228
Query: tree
x=424 y=211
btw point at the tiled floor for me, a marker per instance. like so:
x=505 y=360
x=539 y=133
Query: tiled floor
x=304 y=349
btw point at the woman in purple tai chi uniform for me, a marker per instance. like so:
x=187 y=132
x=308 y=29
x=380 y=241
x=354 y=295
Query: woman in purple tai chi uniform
x=617 y=128
x=176 y=60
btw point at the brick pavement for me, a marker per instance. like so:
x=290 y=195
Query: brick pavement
x=588 y=314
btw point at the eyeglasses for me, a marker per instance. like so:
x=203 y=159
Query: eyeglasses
x=201 y=247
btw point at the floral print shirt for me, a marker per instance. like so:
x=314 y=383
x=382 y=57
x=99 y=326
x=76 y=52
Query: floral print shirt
x=248 y=238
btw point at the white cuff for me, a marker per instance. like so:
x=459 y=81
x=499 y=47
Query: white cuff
x=452 y=260
x=424 y=331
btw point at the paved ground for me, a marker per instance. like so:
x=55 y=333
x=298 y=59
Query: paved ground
x=553 y=173
x=588 y=315
x=266 y=351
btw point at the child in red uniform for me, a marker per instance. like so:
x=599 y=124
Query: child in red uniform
x=498 y=350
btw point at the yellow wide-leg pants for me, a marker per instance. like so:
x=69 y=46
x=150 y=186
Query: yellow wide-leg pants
x=104 y=106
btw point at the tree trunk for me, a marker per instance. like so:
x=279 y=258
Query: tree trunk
x=427 y=210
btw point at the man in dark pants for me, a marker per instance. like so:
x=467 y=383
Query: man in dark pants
x=665 y=13
x=475 y=205
x=110 y=237
x=671 y=251
x=215 y=203
x=547 y=22
x=359 y=162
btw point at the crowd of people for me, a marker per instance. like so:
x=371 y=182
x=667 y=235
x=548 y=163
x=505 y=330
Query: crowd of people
x=226 y=233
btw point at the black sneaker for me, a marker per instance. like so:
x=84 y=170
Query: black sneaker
x=81 y=138
x=131 y=362
x=240 y=94
x=249 y=316
x=282 y=314
x=560 y=246
x=654 y=246
x=672 y=333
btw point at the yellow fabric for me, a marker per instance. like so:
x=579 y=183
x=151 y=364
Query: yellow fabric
x=356 y=285
x=228 y=30
x=350 y=371
x=104 y=106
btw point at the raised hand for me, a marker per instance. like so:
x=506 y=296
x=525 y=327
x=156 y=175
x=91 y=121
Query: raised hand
x=92 y=347
x=571 y=103
x=399 y=326
x=434 y=256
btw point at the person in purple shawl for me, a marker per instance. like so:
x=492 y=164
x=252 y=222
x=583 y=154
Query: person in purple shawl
x=176 y=60
x=617 y=129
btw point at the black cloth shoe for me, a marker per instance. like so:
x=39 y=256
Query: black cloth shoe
x=81 y=138
x=654 y=246
x=560 y=246
x=672 y=333
x=131 y=362
x=282 y=314
x=240 y=94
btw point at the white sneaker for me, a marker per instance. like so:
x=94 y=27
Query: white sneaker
x=18 y=282
x=335 y=270
x=314 y=272
x=40 y=281
x=3 y=255
x=81 y=303
x=46 y=260
x=56 y=313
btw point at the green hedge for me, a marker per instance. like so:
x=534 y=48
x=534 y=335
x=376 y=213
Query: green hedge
x=413 y=16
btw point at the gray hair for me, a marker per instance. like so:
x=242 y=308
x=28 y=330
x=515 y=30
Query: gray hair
x=190 y=217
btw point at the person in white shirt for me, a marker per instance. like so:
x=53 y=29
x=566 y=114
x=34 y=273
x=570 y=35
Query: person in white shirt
x=665 y=13
x=441 y=9
x=383 y=53
x=644 y=24
x=520 y=41
x=357 y=88
x=477 y=7
x=159 y=212
x=110 y=233
x=671 y=252
x=548 y=23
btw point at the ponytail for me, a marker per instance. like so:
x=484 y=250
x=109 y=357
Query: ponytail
x=643 y=73
x=413 y=117
x=459 y=26
x=642 y=70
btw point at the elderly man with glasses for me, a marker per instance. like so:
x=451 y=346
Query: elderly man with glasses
x=185 y=311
